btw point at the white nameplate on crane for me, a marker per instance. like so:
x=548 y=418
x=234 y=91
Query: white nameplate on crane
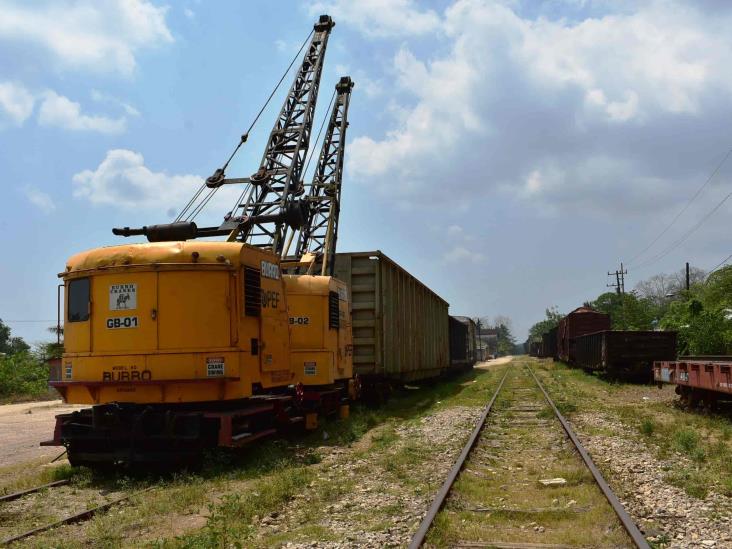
x=122 y=297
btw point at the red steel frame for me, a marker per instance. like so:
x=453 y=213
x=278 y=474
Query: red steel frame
x=696 y=373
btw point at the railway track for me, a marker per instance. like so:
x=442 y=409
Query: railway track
x=26 y=510
x=524 y=480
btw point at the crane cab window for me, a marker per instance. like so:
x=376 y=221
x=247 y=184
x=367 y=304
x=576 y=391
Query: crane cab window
x=78 y=300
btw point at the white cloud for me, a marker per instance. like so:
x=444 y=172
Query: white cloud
x=16 y=103
x=189 y=13
x=39 y=199
x=101 y=97
x=454 y=230
x=122 y=180
x=104 y=35
x=57 y=110
x=380 y=18
x=555 y=109
x=459 y=254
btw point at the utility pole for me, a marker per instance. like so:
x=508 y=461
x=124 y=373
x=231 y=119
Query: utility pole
x=687 y=276
x=619 y=280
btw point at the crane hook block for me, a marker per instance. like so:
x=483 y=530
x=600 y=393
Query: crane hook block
x=215 y=180
x=167 y=232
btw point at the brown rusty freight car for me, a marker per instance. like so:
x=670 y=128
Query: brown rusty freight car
x=549 y=343
x=581 y=321
x=624 y=353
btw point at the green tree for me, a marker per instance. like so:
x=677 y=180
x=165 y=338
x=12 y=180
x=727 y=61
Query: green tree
x=10 y=345
x=540 y=328
x=23 y=374
x=626 y=311
x=506 y=341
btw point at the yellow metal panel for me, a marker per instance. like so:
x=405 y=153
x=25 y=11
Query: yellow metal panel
x=306 y=320
x=142 y=334
x=193 y=309
x=275 y=335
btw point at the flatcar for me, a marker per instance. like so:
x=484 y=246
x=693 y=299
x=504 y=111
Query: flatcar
x=699 y=380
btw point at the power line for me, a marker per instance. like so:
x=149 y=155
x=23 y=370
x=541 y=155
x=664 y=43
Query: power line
x=15 y=321
x=678 y=215
x=683 y=239
x=725 y=260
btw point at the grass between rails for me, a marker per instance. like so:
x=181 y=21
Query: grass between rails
x=498 y=496
x=224 y=504
x=706 y=440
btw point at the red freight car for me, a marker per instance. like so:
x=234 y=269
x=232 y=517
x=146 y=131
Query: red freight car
x=698 y=379
x=581 y=321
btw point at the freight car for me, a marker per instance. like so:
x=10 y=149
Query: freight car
x=463 y=352
x=400 y=326
x=624 y=353
x=549 y=344
x=581 y=321
x=535 y=349
x=699 y=380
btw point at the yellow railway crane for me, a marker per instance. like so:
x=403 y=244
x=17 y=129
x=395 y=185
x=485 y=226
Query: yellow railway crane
x=181 y=344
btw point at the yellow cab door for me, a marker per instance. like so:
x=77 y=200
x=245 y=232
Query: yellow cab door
x=77 y=324
x=124 y=312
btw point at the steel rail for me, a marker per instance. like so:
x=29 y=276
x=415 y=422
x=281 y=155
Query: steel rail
x=419 y=536
x=625 y=519
x=18 y=495
x=78 y=517
x=630 y=527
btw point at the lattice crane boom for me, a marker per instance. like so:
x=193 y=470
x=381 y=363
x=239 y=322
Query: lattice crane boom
x=319 y=232
x=270 y=200
x=272 y=203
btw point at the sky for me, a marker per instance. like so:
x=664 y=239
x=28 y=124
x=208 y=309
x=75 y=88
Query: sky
x=507 y=153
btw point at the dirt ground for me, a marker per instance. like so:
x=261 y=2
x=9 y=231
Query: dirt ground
x=494 y=362
x=24 y=426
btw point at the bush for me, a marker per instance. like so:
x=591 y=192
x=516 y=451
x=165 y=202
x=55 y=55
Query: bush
x=23 y=375
x=686 y=441
x=647 y=427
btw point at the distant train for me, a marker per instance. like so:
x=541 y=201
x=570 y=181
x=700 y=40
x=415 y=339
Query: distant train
x=584 y=339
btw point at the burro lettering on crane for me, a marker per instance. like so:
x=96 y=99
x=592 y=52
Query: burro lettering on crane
x=124 y=375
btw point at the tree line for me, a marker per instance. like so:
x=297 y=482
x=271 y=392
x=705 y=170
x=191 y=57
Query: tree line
x=23 y=369
x=702 y=315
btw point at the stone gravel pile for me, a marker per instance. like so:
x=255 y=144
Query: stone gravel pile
x=665 y=513
x=350 y=519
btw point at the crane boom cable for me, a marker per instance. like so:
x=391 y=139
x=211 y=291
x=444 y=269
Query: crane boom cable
x=196 y=210
x=678 y=215
x=271 y=95
x=716 y=267
x=190 y=202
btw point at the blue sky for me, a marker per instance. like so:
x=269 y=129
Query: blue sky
x=507 y=153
